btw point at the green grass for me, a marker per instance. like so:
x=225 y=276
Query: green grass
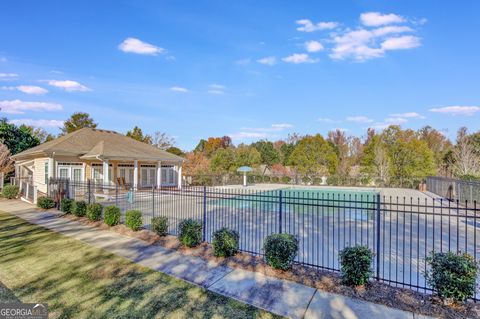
x=81 y=281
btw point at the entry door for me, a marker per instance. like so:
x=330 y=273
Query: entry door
x=148 y=177
x=126 y=173
x=168 y=176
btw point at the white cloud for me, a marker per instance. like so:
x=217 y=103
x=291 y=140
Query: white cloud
x=3 y=59
x=8 y=76
x=179 y=89
x=313 y=46
x=326 y=120
x=28 y=89
x=401 y=43
x=309 y=26
x=298 y=58
x=457 y=110
x=20 y=107
x=134 y=45
x=363 y=44
x=359 y=119
x=38 y=123
x=216 y=89
x=269 y=60
x=260 y=132
x=32 y=89
x=68 y=85
x=374 y=19
x=396 y=120
x=408 y=115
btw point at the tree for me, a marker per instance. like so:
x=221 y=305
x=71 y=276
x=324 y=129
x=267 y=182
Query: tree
x=222 y=161
x=175 y=150
x=466 y=160
x=77 y=121
x=200 y=146
x=339 y=141
x=212 y=145
x=375 y=160
x=162 y=140
x=285 y=152
x=268 y=154
x=6 y=162
x=437 y=142
x=42 y=135
x=137 y=134
x=246 y=156
x=16 y=139
x=313 y=155
x=196 y=163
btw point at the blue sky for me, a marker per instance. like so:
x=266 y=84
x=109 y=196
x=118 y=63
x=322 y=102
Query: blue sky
x=248 y=69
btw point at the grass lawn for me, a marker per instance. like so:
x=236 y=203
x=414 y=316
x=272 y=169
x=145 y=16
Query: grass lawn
x=78 y=280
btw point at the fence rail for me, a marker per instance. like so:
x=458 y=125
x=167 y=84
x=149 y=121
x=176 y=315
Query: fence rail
x=400 y=231
x=454 y=189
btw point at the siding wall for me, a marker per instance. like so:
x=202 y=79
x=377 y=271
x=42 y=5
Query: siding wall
x=39 y=174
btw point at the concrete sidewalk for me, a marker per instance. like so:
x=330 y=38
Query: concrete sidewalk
x=282 y=297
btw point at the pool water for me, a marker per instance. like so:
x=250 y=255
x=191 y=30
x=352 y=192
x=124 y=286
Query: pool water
x=349 y=203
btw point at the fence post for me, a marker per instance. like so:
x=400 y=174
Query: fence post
x=204 y=213
x=280 y=210
x=153 y=201
x=378 y=209
x=89 y=188
x=116 y=195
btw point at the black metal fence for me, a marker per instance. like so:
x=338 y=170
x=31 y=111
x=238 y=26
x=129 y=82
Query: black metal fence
x=401 y=231
x=455 y=189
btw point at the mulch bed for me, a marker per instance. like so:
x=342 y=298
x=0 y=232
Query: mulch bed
x=376 y=292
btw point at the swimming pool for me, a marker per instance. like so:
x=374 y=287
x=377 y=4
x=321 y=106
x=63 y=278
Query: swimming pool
x=350 y=203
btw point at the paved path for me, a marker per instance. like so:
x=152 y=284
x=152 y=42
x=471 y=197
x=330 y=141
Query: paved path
x=282 y=297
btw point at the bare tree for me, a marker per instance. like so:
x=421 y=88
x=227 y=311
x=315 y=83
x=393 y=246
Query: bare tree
x=465 y=159
x=162 y=140
x=6 y=162
x=381 y=162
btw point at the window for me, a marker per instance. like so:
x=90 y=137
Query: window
x=46 y=172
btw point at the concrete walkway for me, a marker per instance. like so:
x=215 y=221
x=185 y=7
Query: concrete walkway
x=282 y=297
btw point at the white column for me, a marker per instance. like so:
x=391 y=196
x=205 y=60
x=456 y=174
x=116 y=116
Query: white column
x=106 y=179
x=179 y=179
x=159 y=174
x=51 y=168
x=135 y=174
x=244 y=179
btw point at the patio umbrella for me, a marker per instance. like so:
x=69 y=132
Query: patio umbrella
x=244 y=170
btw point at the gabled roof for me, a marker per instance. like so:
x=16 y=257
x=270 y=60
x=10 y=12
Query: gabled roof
x=89 y=143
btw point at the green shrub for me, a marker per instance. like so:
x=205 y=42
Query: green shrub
x=190 y=232
x=356 y=265
x=133 y=219
x=66 y=205
x=10 y=191
x=286 y=179
x=45 y=202
x=94 y=212
x=275 y=179
x=79 y=208
x=225 y=242
x=111 y=215
x=452 y=276
x=160 y=225
x=306 y=180
x=280 y=250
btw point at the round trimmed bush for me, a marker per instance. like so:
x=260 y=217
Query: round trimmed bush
x=94 y=212
x=111 y=215
x=356 y=265
x=225 y=242
x=280 y=250
x=160 y=225
x=79 y=208
x=45 y=202
x=190 y=232
x=286 y=179
x=133 y=219
x=10 y=191
x=452 y=276
x=66 y=205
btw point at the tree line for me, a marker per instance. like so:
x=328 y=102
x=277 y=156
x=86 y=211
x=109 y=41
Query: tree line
x=390 y=155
